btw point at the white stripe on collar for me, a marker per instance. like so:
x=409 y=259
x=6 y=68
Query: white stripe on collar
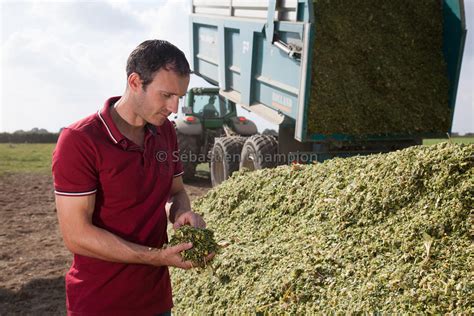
x=107 y=127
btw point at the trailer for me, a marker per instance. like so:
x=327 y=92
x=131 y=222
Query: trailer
x=261 y=56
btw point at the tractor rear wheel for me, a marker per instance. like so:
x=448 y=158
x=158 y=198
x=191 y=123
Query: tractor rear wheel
x=188 y=148
x=225 y=158
x=259 y=152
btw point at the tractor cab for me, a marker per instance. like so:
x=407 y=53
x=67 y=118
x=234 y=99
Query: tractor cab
x=206 y=105
x=207 y=117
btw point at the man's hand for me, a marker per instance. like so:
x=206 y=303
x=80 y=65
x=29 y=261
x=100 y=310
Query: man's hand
x=171 y=257
x=189 y=218
x=180 y=214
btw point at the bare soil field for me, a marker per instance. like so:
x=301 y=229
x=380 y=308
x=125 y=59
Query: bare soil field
x=33 y=258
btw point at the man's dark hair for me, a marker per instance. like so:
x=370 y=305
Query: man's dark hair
x=153 y=55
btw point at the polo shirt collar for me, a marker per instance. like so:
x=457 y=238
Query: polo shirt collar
x=152 y=128
x=114 y=133
x=106 y=118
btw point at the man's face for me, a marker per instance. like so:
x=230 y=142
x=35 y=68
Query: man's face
x=161 y=96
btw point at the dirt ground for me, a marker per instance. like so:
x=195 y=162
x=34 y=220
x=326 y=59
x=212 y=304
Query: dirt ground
x=33 y=259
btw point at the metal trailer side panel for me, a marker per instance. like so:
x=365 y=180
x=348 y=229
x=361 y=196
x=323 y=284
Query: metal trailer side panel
x=247 y=67
x=454 y=35
x=231 y=48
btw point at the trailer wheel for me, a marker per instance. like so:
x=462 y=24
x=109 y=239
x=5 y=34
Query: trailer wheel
x=225 y=158
x=188 y=146
x=259 y=152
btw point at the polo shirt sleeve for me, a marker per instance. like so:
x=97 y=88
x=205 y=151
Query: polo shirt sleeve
x=74 y=165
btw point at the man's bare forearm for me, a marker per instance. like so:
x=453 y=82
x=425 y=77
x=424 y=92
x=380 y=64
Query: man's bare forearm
x=179 y=204
x=101 y=244
x=82 y=237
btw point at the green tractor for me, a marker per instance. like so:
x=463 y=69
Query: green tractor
x=209 y=131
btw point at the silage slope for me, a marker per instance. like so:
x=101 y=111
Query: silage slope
x=380 y=233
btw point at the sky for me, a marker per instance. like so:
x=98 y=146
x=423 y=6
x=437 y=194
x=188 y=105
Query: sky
x=60 y=60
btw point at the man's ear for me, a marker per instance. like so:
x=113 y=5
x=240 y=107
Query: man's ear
x=134 y=82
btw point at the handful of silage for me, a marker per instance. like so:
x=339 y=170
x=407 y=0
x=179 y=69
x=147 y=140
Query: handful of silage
x=202 y=240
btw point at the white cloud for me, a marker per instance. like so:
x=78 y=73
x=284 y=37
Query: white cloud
x=68 y=57
x=58 y=68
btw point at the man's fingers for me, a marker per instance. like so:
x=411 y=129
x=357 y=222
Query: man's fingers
x=189 y=218
x=186 y=265
x=190 y=264
x=199 y=222
x=181 y=247
x=210 y=256
x=180 y=221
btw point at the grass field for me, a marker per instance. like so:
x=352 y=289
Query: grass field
x=457 y=140
x=25 y=158
x=37 y=157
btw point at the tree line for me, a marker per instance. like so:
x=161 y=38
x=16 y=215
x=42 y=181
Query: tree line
x=35 y=135
x=41 y=135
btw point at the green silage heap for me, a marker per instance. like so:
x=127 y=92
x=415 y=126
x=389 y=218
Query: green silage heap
x=378 y=68
x=383 y=233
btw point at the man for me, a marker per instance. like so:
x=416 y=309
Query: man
x=113 y=174
x=209 y=110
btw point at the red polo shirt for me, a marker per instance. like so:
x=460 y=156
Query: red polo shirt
x=132 y=185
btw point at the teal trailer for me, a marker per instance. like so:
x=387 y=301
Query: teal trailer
x=259 y=54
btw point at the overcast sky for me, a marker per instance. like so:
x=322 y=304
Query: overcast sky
x=60 y=60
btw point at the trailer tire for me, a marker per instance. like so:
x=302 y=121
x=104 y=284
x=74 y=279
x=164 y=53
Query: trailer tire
x=259 y=151
x=225 y=158
x=188 y=146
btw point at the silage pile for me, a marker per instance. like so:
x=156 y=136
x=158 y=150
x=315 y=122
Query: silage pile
x=383 y=233
x=378 y=68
